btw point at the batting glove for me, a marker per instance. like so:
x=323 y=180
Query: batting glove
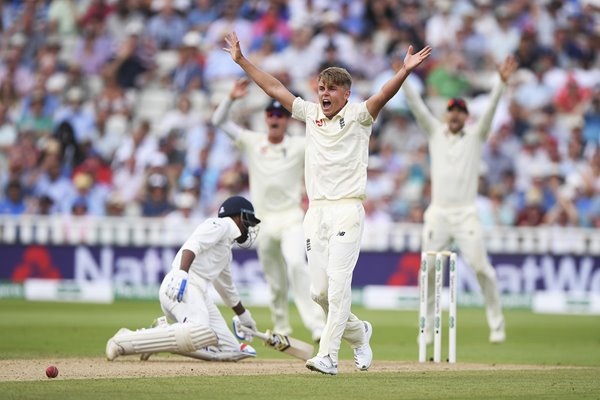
x=247 y=321
x=176 y=287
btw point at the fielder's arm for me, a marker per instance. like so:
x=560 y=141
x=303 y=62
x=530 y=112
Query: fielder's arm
x=376 y=102
x=505 y=70
x=267 y=82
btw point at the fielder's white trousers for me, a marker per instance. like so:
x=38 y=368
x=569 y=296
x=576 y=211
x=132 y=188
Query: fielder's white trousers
x=333 y=231
x=198 y=307
x=281 y=253
x=461 y=224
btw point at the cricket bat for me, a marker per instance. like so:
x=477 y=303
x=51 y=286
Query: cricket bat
x=288 y=345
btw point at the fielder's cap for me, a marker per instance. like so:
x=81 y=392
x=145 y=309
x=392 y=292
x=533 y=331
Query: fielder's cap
x=275 y=105
x=458 y=103
x=237 y=205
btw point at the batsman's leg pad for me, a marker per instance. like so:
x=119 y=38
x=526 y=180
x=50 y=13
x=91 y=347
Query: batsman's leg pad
x=172 y=338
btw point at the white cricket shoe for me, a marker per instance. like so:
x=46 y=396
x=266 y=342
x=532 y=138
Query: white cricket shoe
x=113 y=349
x=323 y=365
x=498 y=335
x=363 y=355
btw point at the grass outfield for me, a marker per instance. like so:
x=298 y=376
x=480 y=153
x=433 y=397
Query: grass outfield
x=566 y=349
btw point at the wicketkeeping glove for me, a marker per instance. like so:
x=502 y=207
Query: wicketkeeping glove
x=176 y=287
x=247 y=321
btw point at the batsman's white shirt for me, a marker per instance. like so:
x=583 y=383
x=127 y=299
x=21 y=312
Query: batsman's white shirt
x=337 y=150
x=455 y=158
x=211 y=242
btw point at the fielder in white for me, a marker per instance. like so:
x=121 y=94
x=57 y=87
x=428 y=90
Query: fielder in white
x=276 y=166
x=455 y=151
x=200 y=330
x=337 y=138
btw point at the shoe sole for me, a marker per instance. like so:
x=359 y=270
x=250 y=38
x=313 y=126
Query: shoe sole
x=315 y=369
x=310 y=365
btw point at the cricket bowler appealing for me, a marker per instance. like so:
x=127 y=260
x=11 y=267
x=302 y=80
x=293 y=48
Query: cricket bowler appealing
x=200 y=330
x=455 y=151
x=276 y=166
x=337 y=138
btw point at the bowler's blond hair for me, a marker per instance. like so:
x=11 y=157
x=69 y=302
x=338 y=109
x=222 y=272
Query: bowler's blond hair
x=336 y=76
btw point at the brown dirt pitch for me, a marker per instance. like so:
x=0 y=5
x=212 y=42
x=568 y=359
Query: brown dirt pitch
x=166 y=366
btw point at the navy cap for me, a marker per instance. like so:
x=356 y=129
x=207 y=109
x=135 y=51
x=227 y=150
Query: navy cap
x=238 y=205
x=275 y=105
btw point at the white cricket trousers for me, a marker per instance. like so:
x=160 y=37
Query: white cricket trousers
x=461 y=224
x=198 y=307
x=333 y=231
x=281 y=253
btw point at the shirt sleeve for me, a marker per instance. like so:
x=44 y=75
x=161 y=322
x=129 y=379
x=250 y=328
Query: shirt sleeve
x=205 y=236
x=417 y=106
x=226 y=289
x=484 y=125
x=299 y=110
x=363 y=116
x=220 y=119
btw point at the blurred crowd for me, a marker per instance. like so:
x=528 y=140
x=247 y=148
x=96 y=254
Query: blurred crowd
x=105 y=105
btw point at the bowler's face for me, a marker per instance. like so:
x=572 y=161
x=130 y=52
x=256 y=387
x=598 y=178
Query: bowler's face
x=332 y=98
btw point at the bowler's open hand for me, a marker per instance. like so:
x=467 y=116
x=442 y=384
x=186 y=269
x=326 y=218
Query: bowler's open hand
x=234 y=49
x=411 y=61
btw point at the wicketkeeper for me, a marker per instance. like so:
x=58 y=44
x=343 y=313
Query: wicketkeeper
x=199 y=330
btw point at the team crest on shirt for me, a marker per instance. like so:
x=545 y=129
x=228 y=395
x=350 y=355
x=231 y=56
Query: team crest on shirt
x=320 y=122
x=342 y=123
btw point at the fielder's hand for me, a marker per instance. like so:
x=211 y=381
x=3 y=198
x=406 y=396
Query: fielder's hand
x=248 y=322
x=176 y=287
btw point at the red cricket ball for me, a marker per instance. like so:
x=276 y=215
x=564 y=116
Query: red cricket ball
x=52 y=372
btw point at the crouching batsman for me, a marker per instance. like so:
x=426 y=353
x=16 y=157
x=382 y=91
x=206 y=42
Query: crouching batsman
x=199 y=330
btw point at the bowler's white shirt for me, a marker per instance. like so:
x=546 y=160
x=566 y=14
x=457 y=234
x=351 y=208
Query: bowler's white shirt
x=337 y=150
x=211 y=242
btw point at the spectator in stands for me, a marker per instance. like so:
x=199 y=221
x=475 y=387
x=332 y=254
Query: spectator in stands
x=167 y=28
x=441 y=27
x=156 y=203
x=532 y=214
x=332 y=36
x=130 y=64
x=203 y=13
x=447 y=78
x=52 y=183
x=187 y=76
x=125 y=12
x=81 y=119
x=34 y=120
x=14 y=202
x=94 y=49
